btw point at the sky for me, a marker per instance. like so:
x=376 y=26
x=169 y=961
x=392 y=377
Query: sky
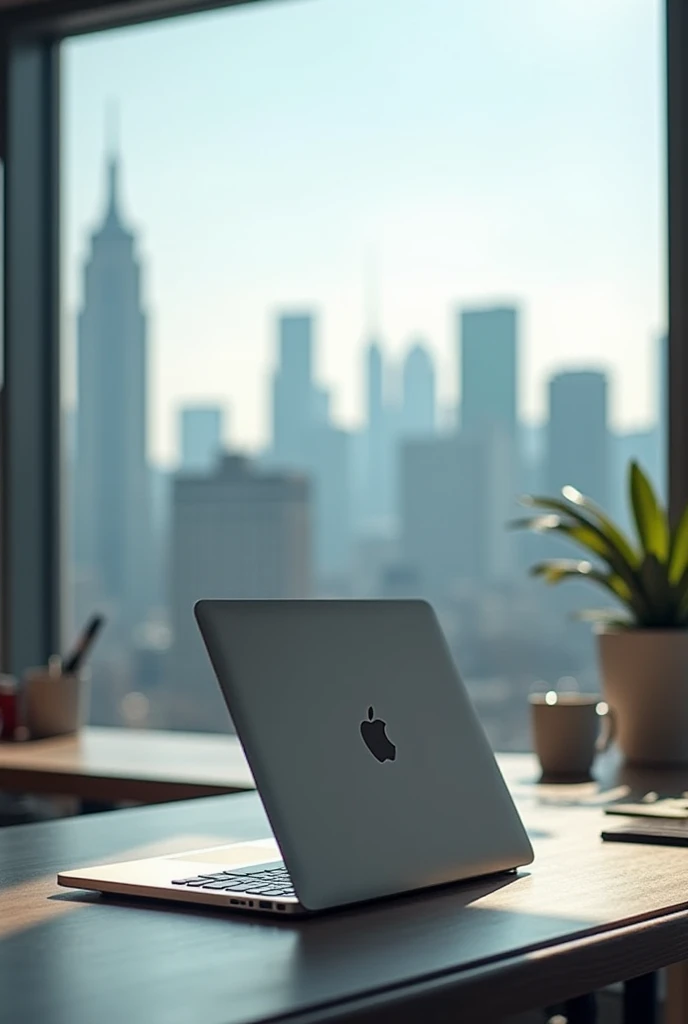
x=305 y=154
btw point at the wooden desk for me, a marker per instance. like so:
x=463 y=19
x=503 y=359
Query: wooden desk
x=119 y=765
x=584 y=915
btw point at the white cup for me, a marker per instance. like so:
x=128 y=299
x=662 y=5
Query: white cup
x=55 y=704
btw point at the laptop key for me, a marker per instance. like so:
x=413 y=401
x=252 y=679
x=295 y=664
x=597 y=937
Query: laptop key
x=272 y=882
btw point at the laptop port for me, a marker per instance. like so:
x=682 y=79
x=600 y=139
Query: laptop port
x=280 y=906
x=265 y=904
x=235 y=902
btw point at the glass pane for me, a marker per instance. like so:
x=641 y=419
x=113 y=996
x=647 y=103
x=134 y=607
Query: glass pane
x=341 y=280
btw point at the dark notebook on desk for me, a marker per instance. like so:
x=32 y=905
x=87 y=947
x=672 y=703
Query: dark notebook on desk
x=663 y=832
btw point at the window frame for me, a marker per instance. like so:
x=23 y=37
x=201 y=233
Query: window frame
x=30 y=443
x=676 y=42
x=29 y=431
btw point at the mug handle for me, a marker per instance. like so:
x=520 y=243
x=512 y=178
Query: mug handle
x=608 y=732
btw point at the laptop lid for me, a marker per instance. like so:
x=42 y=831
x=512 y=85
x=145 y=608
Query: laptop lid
x=373 y=769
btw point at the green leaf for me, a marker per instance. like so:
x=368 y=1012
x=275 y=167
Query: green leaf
x=538 y=524
x=591 y=537
x=557 y=569
x=574 y=507
x=678 y=557
x=659 y=593
x=608 y=528
x=604 y=617
x=650 y=519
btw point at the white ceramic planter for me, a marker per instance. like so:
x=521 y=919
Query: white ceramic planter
x=645 y=681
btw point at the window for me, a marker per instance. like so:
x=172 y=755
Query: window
x=341 y=279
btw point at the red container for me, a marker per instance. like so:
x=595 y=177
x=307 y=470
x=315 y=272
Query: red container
x=9 y=702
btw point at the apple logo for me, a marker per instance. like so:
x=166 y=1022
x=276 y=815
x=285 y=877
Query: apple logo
x=376 y=739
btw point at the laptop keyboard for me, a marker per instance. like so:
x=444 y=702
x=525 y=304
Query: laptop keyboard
x=270 y=882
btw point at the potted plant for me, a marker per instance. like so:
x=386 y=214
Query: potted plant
x=643 y=637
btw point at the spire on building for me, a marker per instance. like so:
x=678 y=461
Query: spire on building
x=113 y=194
x=112 y=216
x=372 y=297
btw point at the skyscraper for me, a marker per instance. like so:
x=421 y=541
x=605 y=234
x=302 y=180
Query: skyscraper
x=295 y=402
x=489 y=388
x=112 y=484
x=304 y=440
x=578 y=434
x=578 y=452
x=236 y=533
x=454 y=505
x=378 y=441
x=330 y=470
x=375 y=386
x=200 y=437
x=418 y=412
x=489 y=369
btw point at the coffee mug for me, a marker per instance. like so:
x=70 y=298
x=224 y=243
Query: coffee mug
x=566 y=732
x=56 y=704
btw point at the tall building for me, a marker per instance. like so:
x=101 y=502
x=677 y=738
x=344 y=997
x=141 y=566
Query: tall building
x=454 y=506
x=418 y=415
x=112 y=500
x=200 y=437
x=295 y=401
x=236 y=533
x=489 y=360
x=489 y=369
x=579 y=452
x=331 y=470
x=578 y=434
x=378 y=442
x=305 y=441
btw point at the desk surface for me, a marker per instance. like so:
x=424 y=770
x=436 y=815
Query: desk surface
x=583 y=915
x=113 y=765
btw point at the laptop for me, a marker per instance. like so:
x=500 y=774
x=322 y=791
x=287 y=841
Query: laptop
x=374 y=772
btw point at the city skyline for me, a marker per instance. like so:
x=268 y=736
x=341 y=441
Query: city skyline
x=392 y=381
x=412 y=504
x=572 y=229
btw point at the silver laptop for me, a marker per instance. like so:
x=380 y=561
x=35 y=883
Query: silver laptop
x=373 y=769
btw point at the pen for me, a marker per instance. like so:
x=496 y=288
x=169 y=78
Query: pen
x=84 y=643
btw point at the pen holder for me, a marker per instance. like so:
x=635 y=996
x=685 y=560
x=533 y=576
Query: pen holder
x=55 y=704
